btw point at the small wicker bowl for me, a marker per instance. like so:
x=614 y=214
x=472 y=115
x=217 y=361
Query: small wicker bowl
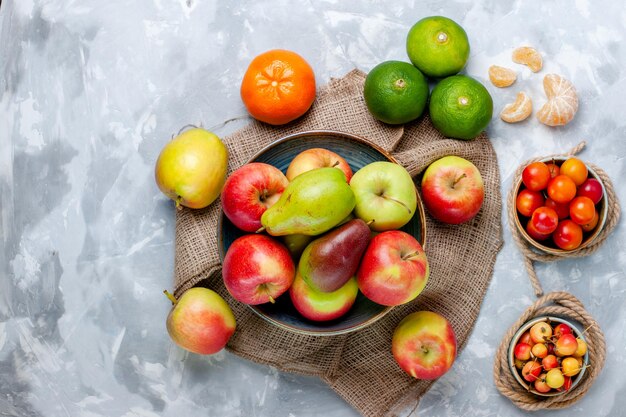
x=548 y=245
x=517 y=373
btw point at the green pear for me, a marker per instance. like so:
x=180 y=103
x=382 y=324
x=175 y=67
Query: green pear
x=314 y=202
x=297 y=243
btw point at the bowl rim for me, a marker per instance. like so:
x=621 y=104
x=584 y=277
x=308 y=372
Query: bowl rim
x=528 y=325
x=603 y=212
x=343 y=135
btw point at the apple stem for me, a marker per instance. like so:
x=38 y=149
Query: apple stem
x=458 y=179
x=424 y=349
x=187 y=126
x=170 y=296
x=178 y=205
x=260 y=230
x=410 y=256
x=370 y=222
x=397 y=201
x=335 y=164
x=271 y=299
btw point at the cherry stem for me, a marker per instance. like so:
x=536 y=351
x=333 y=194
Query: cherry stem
x=458 y=179
x=170 y=296
x=588 y=327
x=397 y=201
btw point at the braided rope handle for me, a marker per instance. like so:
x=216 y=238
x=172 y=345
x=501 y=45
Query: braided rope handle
x=559 y=304
x=530 y=255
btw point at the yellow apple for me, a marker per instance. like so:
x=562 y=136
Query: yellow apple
x=191 y=169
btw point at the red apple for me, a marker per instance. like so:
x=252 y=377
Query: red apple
x=540 y=332
x=540 y=384
x=394 y=269
x=531 y=371
x=567 y=384
x=249 y=191
x=581 y=348
x=539 y=350
x=257 y=269
x=424 y=345
x=522 y=351
x=200 y=321
x=549 y=362
x=525 y=338
x=322 y=306
x=453 y=190
x=566 y=345
x=317 y=158
x=561 y=329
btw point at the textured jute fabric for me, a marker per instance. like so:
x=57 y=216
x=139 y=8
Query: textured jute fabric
x=359 y=366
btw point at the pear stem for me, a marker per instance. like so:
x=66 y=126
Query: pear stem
x=170 y=296
x=458 y=179
x=397 y=201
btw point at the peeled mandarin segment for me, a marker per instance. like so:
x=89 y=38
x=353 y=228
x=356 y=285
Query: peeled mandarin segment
x=501 y=76
x=518 y=110
x=528 y=56
x=562 y=102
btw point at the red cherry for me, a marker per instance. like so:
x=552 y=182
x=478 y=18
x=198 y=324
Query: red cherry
x=582 y=210
x=568 y=235
x=544 y=220
x=536 y=176
x=591 y=188
x=532 y=232
x=562 y=210
x=528 y=201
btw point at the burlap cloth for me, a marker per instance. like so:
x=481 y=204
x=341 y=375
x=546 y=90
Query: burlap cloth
x=359 y=366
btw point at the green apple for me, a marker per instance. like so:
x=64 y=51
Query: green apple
x=385 y=195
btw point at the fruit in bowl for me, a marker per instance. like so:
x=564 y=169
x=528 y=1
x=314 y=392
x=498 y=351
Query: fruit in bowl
x=548 y=355
x=560 y=204
x=317 y=223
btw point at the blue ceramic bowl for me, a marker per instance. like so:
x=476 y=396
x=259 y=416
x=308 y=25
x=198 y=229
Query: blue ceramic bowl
x=357 y=152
